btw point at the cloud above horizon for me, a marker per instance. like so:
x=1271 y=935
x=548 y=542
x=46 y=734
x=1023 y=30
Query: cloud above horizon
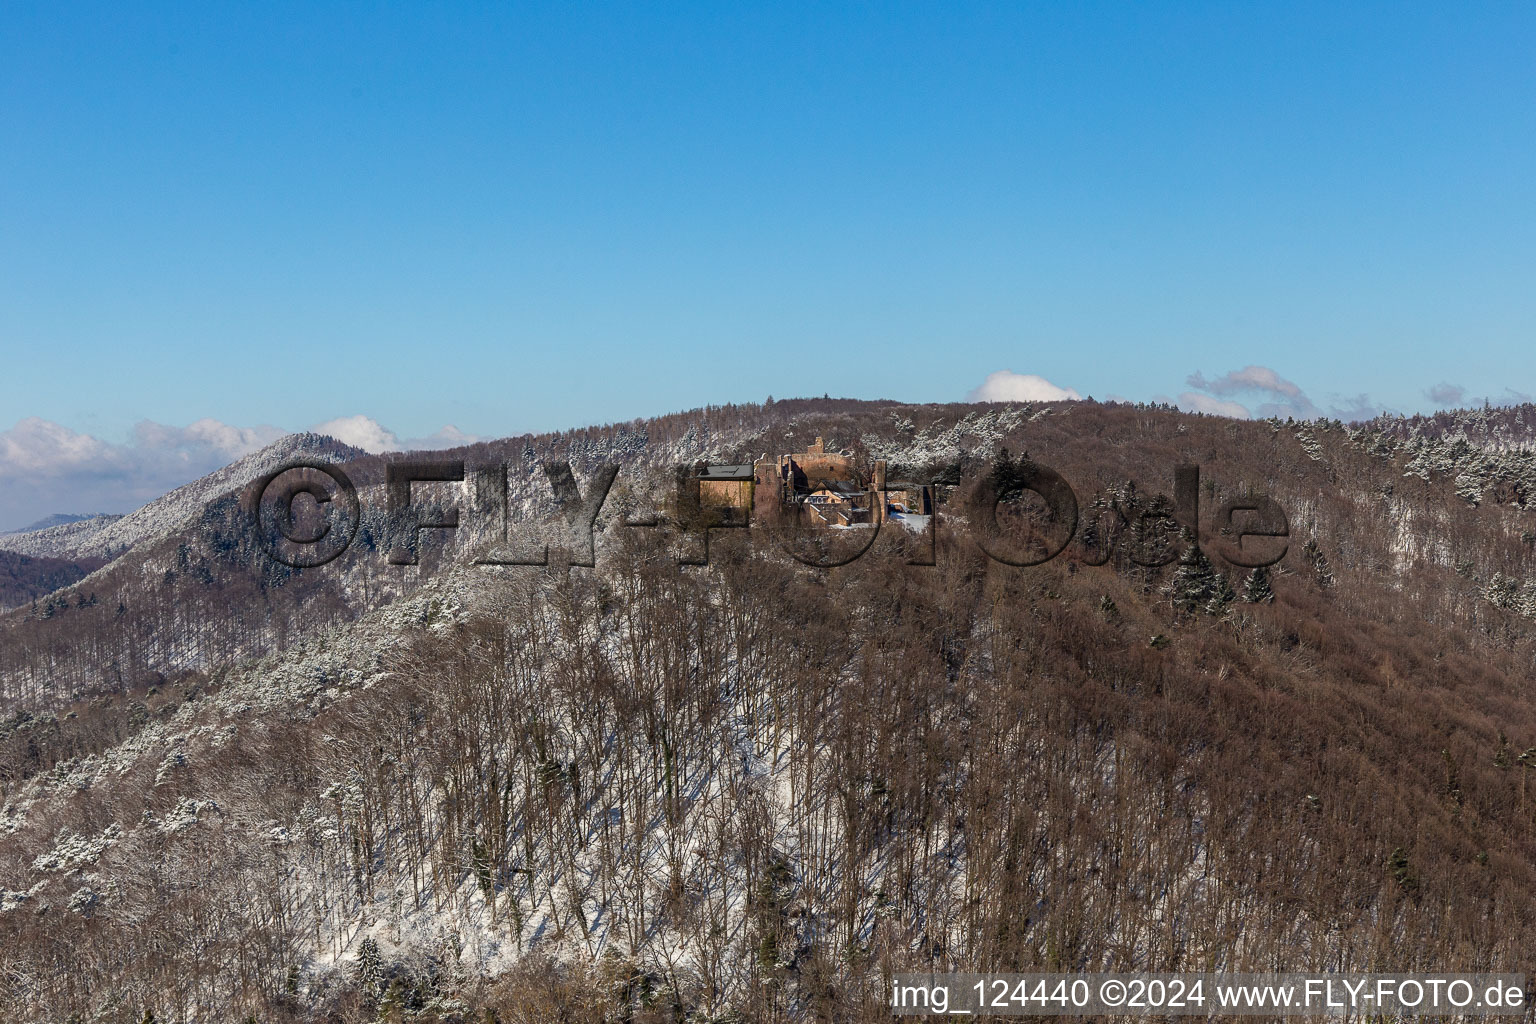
x=1193 y=401
x=46 y=467
x=1264 y=393
x=1249 y=378
x=1445 y=394
x=370 y=435
x=1007 y=386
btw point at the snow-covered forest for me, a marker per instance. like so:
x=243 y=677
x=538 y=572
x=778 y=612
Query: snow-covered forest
x=754 y=790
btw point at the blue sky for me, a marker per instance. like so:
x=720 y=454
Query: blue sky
x=513 y=217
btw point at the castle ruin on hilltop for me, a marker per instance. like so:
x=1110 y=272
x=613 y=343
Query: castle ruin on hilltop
x=824 y=488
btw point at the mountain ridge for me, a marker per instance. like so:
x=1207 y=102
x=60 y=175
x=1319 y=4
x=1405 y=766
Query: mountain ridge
x=56 y=519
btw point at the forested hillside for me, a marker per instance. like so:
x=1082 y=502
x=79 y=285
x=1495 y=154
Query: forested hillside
x=24 y=580
x=754 y=789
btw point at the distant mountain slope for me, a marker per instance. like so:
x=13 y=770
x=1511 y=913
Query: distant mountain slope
x=57 y=519
x=109 y=536
x=60 y=540
x=24 y=579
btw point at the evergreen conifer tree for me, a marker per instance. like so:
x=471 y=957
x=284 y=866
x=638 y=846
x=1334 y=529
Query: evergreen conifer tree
x=1197 y=584
x=370 y=964
x=1222 y=596
x=1256 y=588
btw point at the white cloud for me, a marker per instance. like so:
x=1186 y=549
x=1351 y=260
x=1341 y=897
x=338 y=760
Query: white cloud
x=1007 y=386
x=1249 y=378
x=37 y=449
x=1445 y=394
x=370 y=435
x=449 y=436
x=1275 y=395
x=1266 y=394
x=361 y=432
x=206 y=434
x=1193 y=401
x=36 y=446
x=46 y=467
